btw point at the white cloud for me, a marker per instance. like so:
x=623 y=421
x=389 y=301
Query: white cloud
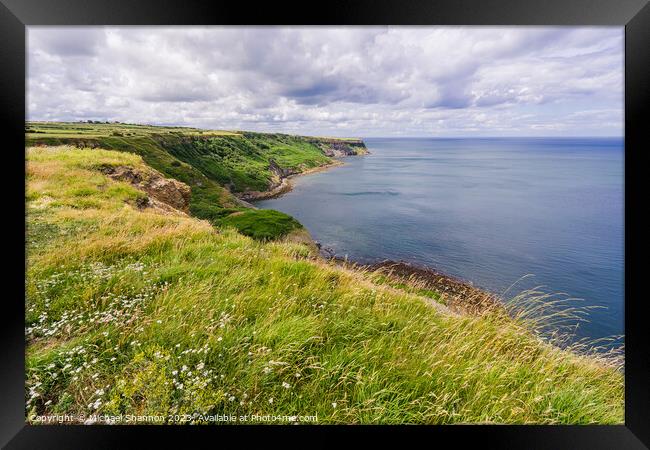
x=363 y=81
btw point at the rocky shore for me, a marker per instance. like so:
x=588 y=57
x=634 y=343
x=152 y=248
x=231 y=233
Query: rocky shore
x=458 y=295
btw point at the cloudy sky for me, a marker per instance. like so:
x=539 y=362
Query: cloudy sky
x=339 y=81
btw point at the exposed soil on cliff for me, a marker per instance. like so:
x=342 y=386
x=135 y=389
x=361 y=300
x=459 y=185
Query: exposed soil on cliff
x=164 y=194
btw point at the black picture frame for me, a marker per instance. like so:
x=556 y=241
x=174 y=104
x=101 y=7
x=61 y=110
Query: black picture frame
x=634 y=15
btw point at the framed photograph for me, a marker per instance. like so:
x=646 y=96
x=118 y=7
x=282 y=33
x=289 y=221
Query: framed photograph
x=265 y=220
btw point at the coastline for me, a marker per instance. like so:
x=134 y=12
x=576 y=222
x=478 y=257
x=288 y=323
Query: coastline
x=285 y=183
x=458 y=295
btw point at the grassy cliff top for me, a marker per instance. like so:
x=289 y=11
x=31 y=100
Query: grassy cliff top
x=133 y=311
x=102 y=129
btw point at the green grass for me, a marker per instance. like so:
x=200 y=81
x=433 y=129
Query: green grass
x=135 y=312
x=382 y=279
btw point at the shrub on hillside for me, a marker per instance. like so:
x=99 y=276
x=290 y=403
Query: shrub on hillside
x=262 y=224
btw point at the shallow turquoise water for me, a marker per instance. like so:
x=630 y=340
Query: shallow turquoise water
x=486 y=210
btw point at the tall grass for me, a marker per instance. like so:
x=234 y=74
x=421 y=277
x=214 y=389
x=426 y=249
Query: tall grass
x=555 y=317
x=132 y=312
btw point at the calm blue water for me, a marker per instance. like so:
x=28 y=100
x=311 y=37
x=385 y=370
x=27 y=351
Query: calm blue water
x=486 y=210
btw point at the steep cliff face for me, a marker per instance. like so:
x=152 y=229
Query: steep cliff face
x=278 y=182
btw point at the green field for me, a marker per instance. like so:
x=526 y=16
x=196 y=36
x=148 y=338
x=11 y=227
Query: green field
x=135 y=311
x=100 y=129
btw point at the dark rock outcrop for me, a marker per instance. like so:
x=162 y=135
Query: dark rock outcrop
x=278 y=171
x=459 y=295
x=338 y=148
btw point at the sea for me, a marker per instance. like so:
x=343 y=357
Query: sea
x=506 y=214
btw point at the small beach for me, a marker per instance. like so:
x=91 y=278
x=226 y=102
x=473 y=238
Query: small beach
x=285 y=184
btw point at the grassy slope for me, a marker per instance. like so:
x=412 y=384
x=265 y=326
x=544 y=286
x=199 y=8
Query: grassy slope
x=213 y=163
x=238 y=160
x=133 y=312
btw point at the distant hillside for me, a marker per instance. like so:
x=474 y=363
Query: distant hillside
x=219 y=166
